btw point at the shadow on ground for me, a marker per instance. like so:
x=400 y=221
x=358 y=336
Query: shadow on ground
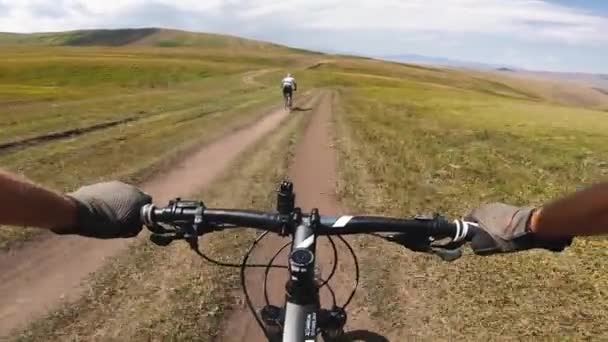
x=352 y=336
x=363 y=336
x=300 y=109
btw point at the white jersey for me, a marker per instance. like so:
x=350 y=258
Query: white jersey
x=288 y=82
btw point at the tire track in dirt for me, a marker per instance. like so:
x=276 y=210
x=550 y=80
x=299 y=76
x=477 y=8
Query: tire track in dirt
x=70 y=133
x=42 y=274
x=314 y=174
x=248 y=78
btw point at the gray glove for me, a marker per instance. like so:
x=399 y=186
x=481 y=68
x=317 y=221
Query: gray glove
x=107 y=210
x=505 y=229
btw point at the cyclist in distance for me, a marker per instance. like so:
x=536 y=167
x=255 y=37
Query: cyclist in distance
x=288 y=85
x=111 y=210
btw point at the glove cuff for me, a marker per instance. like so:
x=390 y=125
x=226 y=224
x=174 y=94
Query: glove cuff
x=532 y=224
x=81 y=211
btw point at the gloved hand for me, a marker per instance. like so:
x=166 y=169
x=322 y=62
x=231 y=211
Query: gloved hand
x=107 y=210
x=506 y=228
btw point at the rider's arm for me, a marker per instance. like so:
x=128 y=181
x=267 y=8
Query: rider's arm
x=102 y=210
x=26 y=204
x=511 y=228
x=582 y=213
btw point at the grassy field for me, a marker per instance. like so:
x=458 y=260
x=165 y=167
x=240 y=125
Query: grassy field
x=410 y=146
x=73 y=115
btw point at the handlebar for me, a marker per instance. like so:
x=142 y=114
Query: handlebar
x=189 y=212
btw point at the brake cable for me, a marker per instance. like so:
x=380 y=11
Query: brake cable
x=356 y=261
x=267 y=270
x=228 y=264
x=244 y=284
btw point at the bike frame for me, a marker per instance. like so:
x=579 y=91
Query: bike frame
x=288 y=101
x=288 y=97
x=302 y=303
x=302 y=298
x=302 y=319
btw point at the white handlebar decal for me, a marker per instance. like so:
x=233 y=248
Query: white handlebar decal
x=342 y=221
x=307 y=242
x=462 y=229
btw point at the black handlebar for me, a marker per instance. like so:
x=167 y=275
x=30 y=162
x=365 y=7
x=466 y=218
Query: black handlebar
x=435 y=227
x=188 y=212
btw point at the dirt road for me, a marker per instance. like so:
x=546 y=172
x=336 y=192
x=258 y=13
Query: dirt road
x=250 y=78
x=314 y=174
x=43 y=273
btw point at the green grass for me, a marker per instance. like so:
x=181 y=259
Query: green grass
x=37 y=76
x=34 y=118
x=122 y=74
x=416 y=147
x=50 y=74
x=170 y=293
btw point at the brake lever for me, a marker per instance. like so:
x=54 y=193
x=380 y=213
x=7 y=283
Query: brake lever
x=162 y=240
x=193 y=231
x=189 y=232
x=414 y=243
x=423 y=244
x=447 y=254
x=159 y=229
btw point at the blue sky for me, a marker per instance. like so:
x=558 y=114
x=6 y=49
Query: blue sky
x=597 y=6
x=557 y=35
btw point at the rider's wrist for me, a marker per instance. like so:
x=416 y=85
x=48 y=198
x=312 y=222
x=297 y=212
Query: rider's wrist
x=533 y=224
x=68 y=222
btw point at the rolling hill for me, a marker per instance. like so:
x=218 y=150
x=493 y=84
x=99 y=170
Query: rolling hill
x=151 y=37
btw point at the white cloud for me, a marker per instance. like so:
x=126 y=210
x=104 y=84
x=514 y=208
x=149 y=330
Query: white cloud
x=438 y=27
x=525 y=18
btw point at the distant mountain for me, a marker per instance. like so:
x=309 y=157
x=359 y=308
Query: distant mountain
x=420 y=59
x=599 y=80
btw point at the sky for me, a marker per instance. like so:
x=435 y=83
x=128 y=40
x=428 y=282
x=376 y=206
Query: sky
x=557 y=35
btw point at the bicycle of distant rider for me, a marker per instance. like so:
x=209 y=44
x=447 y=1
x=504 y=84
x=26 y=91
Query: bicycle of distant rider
x=288 y=97
x=288 y=102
